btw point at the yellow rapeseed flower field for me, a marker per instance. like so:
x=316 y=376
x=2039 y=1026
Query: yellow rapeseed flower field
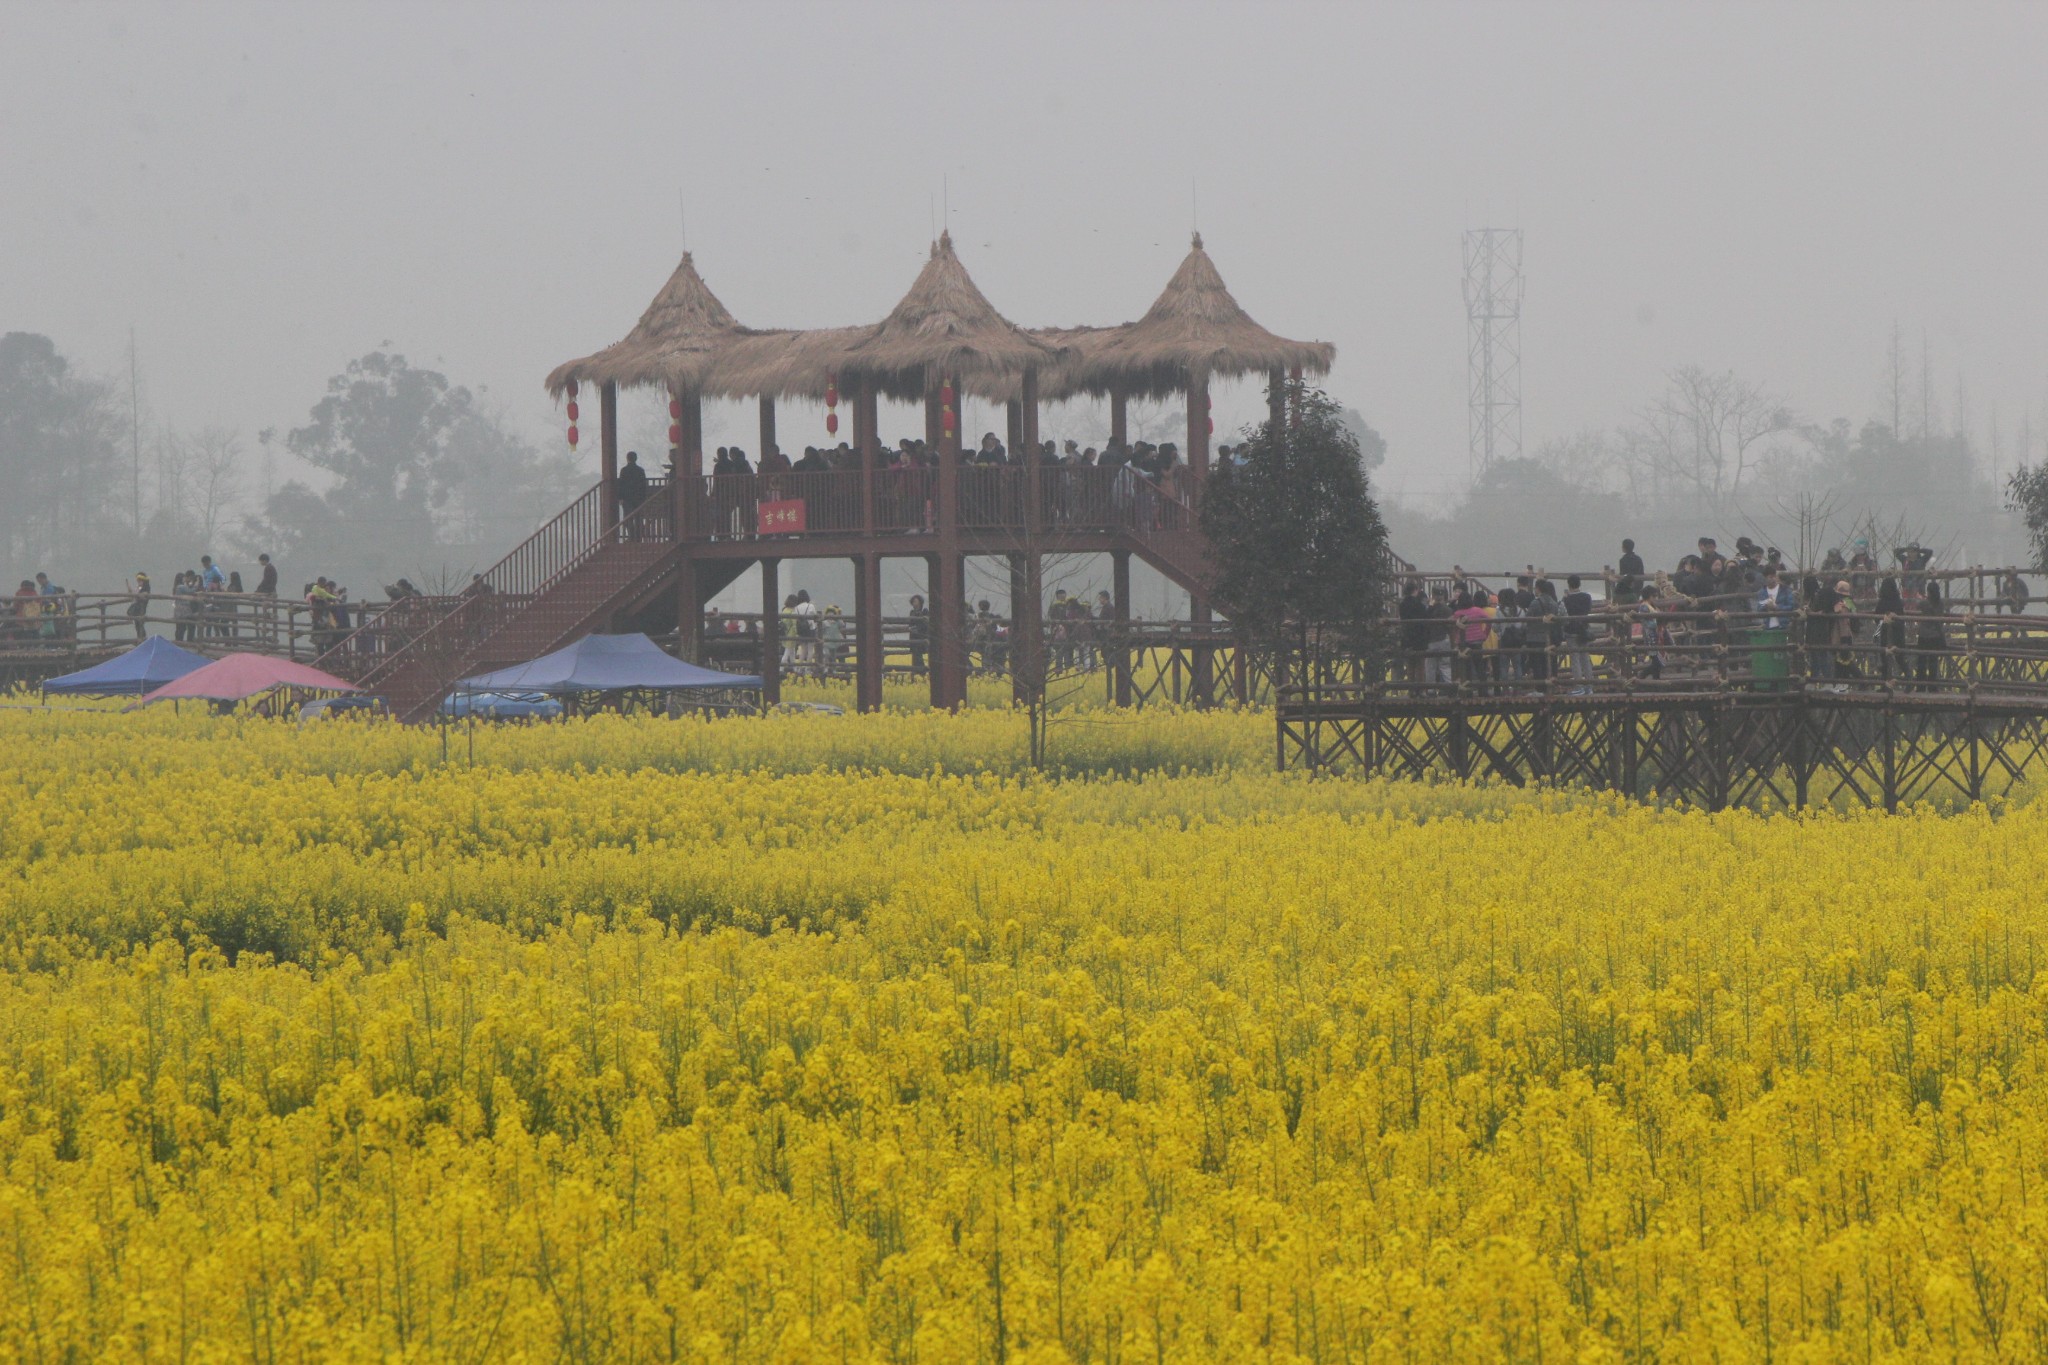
x=848 y=1038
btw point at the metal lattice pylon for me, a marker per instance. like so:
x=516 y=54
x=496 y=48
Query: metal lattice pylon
x=1493 y=312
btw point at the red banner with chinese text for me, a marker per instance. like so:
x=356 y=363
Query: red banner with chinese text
x=784 y=518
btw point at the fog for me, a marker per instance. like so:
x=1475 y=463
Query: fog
x=264 y=193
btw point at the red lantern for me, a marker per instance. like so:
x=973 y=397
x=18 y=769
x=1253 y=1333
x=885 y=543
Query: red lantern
x=1212 y=426
x=572 y=438
x=572 y=412
x=946 y=393
x=831 y=424
x=675 y=435
x=572 y=388
x=675 y=408
x=946 y=418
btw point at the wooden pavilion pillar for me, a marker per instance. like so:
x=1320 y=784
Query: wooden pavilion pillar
x=948 y=574
x=767 y=427
x=1276 y=398
x=1027 y=581
x=867 y=567
x=865 y=424
x=608 y=454
x=1120 y=594
x=771 y=631
x=686 y=460
x=693 y=435
x=867 y=617
x=1199 y=615
x=1013 y=412
x=1294 y=419
x=1119 y=419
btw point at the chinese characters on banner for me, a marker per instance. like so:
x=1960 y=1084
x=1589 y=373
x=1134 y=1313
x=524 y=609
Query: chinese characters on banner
x=784 y=518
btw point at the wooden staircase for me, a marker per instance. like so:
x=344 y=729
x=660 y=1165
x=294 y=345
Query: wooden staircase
x=565 y=581
x=1166 y=531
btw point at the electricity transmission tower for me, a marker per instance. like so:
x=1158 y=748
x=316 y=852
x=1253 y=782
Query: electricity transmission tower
x=1493 y=312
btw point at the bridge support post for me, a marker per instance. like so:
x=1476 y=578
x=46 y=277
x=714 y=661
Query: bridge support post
x=867 y=630
x=1891 y=759
x=1714 y=719
x=689 y=610
x=771 y=631
x=1020 y=613
x=947 y=576
x=1120 y=651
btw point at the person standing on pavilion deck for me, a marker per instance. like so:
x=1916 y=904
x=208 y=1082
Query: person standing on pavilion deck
x=632 y=486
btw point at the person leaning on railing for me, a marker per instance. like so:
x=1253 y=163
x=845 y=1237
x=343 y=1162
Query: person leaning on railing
x=1891 y=630
x=1931 y=638
x=138 y=607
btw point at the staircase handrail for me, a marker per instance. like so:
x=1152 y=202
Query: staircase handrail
x=530 y=569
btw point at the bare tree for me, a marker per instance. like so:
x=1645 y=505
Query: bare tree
x=198 y=481
x=213 y=479
x=1705 y=432
x=1810 y=513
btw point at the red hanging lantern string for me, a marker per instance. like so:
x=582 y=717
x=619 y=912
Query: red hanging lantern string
x=831 y=405
x=675 y=423
x=570 y=389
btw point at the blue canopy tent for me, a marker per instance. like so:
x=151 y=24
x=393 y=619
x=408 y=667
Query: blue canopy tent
x=145 y=668
x=606 y=663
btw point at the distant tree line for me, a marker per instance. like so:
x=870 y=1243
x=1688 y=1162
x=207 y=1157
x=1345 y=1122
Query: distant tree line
x=414 y=476
x=1714 y=453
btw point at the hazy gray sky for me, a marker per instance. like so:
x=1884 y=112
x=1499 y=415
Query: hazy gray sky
x=265 y=191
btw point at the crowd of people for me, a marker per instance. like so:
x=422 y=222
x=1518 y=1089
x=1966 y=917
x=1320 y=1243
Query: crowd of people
x=1161 y=460
x=821 y=640
x=1849 y=619
x=209 y=604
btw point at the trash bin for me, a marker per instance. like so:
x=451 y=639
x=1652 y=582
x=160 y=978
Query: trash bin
x=1770 y=659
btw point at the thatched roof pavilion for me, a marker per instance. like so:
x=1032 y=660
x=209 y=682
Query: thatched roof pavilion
x=946 y=326
x=1194 y=330
x=674 y=343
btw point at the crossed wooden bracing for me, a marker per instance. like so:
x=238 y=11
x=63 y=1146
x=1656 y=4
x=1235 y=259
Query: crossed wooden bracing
x=1790 y=750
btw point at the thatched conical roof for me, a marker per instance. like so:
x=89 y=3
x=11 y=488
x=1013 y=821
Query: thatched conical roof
x=674 y=342
x=784 y=364
x=1193 y=327
x=945 y=326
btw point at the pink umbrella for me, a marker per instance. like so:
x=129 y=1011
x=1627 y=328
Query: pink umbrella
x=236 y=677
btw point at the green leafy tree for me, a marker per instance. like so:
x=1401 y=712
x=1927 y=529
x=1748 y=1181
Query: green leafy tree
x=2026 y=492
x=59 y=462
x=1300 y=548
x=417 y=465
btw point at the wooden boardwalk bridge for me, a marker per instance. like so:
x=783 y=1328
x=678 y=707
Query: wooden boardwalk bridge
x=1717 y=711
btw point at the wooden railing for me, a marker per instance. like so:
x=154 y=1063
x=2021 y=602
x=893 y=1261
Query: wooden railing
x=991 y=498
x=1622 y=652
x=213 y=623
